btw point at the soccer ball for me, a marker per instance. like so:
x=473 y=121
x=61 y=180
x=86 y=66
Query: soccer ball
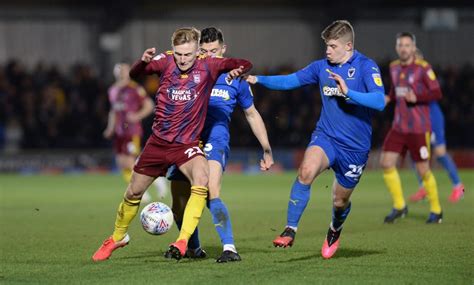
x=156 y=218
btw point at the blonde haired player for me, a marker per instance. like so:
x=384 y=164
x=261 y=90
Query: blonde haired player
x=186 y=82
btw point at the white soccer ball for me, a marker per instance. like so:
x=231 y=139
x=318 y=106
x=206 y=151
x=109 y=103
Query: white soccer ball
x=156 y=218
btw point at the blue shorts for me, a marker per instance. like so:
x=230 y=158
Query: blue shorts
x=438 y=136
x=347 y=165
x=213 y=150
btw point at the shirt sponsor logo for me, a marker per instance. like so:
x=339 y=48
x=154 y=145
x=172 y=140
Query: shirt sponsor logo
x=332 y=91
x=377 y=79
x=224 y=94
x=118 y=106
x=401 y=91
x=181 y=94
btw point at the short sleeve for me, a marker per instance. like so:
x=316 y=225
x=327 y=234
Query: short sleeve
x=245 y=96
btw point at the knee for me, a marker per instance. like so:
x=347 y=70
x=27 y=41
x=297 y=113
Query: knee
x=385 y=163
x=133 y=193
x=340 y=203
x=306 y=174
x=201 y=180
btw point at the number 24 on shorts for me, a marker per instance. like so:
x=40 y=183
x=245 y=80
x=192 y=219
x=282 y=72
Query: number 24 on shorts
x=355 y=171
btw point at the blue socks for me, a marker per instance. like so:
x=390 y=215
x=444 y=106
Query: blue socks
x=339 y=216
x=221 y=219
x=450 y=167
x=299 y=198
x=193 y=242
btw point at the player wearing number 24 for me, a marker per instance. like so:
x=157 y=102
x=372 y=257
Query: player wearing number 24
x=351 y=91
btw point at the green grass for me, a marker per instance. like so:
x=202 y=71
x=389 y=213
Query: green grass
x=51 y=225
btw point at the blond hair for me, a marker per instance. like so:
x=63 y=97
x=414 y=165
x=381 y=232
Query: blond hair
x=339 y=29
x=185 y=35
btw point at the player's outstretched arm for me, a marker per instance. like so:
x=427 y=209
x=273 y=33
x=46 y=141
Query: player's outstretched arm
x=276 y=82
x=235 y=66
x=258 y=128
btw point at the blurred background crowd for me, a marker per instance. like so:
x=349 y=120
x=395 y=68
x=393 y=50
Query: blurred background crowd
x=44 y=107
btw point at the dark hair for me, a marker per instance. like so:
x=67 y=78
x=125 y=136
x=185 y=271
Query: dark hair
x=407 y=35
x=211 y=34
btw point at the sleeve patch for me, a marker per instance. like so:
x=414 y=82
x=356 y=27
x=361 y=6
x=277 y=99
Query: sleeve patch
x=160 y=56
x=377 y=79
x=431 y=74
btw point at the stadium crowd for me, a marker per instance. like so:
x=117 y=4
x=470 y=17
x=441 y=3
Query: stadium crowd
x=44 y=107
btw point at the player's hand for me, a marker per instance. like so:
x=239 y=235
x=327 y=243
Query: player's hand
x=251 y=79
x=267 y=161
x=133 y=118
x=410 y=96
x=148 y=54
x=108 y=133
x=235 y=73
x=341 y=84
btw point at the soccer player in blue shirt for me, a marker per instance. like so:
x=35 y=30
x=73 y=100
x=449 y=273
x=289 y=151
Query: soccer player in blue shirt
x=225 y=95
x=351 y=91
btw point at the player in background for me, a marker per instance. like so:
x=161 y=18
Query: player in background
x=414 y=86
x=438 y=142
x=186 y=82
x=225 y=95
x=351 y=91
x=129 y=105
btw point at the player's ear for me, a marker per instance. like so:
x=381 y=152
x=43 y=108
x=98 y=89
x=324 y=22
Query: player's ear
x=224 y=48
x=349 y=46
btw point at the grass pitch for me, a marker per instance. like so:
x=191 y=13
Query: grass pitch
x=51 y=225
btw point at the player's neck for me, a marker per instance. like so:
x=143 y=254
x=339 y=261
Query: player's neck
x=122 y=83
x=347 y=57
x=408 y=61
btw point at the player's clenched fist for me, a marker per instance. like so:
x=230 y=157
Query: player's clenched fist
x=148 y=54
x=251 y=79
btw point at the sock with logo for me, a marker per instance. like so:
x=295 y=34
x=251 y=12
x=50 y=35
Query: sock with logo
x=299 y=197
x=221 y=219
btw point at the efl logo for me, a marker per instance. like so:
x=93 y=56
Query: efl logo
x=181 y=94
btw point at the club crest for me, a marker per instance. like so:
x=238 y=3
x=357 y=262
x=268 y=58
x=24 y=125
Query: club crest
x=350 y=72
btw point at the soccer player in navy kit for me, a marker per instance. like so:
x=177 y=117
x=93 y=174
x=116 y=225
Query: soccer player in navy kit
x=225 y=96
x=186 y=82
x=351 y=91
